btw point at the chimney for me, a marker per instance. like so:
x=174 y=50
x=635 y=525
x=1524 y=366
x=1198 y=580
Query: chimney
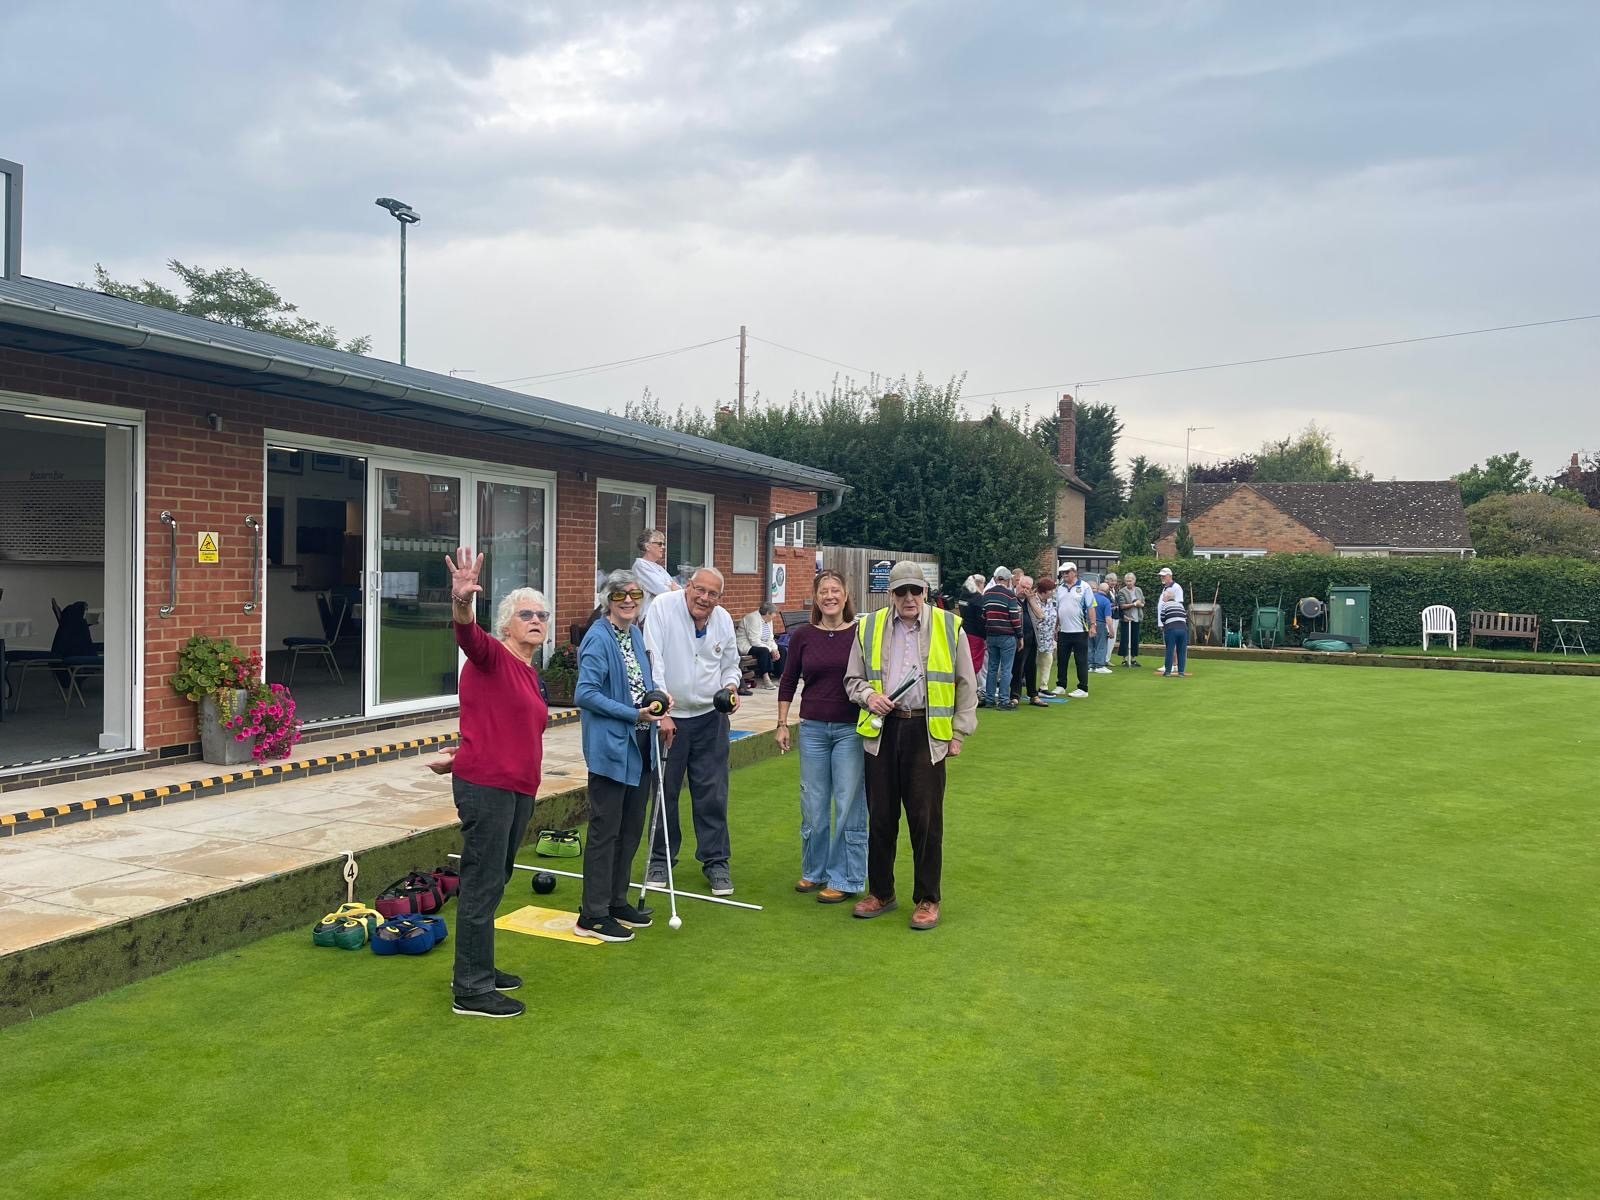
x=10 y=219
x=1174 y=502
x=1067 y=435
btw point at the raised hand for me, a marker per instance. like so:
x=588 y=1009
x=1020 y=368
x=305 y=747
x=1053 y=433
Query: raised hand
x=464 y=568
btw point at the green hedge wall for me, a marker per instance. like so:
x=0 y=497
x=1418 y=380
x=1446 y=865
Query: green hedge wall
x=1401 y=589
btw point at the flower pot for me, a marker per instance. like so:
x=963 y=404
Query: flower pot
x=218 y=745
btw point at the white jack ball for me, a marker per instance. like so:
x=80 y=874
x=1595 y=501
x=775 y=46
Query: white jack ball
x=676 y=922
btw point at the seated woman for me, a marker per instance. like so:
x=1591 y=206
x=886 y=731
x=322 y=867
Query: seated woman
x=757 y=639
x=613 y=677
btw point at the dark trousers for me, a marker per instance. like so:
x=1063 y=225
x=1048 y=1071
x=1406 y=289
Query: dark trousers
x=616 y=824
x=900 y=775
x=1024 y=675
x=767 y=663
x=1077 y=646
x=700 y=750
x=493 y=822
x=1128 y=637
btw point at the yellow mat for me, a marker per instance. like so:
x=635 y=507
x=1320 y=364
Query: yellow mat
x=544 y=922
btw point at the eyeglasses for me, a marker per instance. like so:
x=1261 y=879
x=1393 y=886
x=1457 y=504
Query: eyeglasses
x=618 y=596
x=708 y=593
x=908 y=589
x=533 y=614
x=656 y=543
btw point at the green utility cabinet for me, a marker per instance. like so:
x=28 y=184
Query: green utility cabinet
x=1350 y=615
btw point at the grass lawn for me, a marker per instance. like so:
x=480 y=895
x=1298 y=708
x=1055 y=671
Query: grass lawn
x=1268 y=931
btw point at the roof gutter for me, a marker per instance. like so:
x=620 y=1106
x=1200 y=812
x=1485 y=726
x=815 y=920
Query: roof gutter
x=59 y=320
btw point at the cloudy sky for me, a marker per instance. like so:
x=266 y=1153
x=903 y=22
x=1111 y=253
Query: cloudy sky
x=1029 y=194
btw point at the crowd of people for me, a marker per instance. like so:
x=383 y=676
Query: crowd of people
x=886 y=699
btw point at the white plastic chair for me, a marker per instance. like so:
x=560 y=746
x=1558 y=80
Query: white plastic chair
x=1439 y=620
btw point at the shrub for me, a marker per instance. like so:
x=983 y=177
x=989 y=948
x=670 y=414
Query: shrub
x=215 y=666
x=1401 y=588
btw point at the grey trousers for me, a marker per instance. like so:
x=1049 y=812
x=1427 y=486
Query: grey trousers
x=493 y=822
x=699 y=750
x=616 y=824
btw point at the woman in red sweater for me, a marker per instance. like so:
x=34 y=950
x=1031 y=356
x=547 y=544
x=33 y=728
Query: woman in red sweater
x=495 y=774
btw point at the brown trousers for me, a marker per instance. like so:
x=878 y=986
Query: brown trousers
x=901 y=775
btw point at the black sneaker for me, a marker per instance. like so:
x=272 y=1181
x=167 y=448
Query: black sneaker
x=656 y=874
x=604 y=929
x=504 y=981
x=633 y=918
x=491 y=1005
x=721 y=881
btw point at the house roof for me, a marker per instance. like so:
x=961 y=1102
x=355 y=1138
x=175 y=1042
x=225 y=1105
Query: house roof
x=54 y=318
x=1070 y=477
x=1415 y=514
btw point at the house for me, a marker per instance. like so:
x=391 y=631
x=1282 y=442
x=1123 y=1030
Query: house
x=179 y=476
x=1231 y=520
x=1067 y=530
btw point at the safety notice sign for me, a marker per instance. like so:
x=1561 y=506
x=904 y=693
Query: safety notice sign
x=208 y=547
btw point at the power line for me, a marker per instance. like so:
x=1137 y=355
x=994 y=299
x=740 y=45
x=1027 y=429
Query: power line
x=1250 y=362
x=595 y=368
x=808 y=354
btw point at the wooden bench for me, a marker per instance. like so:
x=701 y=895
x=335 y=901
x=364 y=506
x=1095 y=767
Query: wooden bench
x=1503 y=625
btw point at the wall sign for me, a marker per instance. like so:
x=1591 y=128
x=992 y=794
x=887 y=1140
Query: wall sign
x=878 y=574
x=208 y=547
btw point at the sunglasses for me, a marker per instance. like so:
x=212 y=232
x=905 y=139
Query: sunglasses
x=618 y=596
x=908 y=589
x=533 y=614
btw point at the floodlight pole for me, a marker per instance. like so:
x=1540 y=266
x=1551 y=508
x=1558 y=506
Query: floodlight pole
x=405 y=215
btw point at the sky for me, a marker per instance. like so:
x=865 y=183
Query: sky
x=1025 y=195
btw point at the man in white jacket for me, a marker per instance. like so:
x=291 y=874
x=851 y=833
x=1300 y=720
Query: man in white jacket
x=695 y=654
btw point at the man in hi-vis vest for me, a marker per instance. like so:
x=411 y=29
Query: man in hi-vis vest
x=915 y=647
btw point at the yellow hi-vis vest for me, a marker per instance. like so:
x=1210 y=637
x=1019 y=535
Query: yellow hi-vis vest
x=872 y=632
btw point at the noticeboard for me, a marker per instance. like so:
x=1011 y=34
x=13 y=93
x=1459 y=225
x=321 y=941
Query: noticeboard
x=878 y=574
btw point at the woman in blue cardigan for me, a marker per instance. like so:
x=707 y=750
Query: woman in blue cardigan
x=613 y=677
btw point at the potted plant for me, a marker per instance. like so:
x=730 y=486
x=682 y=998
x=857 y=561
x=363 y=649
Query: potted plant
x=241 y=717
x=560 y=675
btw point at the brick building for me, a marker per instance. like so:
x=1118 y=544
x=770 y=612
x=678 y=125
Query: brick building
x=331 y=486
x=1233 y=520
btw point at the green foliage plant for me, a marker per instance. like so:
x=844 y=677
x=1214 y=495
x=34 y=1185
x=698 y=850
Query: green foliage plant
x=1501 y=474
x=1506 y=525
x=216 y=667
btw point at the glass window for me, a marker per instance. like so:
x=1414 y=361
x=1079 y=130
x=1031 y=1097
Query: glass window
x=686 y=537
x=420 y=523
x=511 y=539
x=622 y=512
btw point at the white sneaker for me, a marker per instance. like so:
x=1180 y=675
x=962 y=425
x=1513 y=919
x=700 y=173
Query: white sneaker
x=1078 y=694
x=1060 y=691
x=1102 y=670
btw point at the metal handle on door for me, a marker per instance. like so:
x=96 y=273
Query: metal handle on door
x=255 y=563
x=171 y=606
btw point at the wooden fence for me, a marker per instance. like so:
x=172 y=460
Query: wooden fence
x=856 y=564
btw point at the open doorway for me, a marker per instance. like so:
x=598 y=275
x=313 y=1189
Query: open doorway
x=316 y=518
x=67 y=649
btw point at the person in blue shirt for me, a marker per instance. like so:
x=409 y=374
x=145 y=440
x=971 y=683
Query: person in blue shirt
x=1099 y=641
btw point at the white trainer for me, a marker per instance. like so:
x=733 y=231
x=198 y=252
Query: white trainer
x=1078 y=694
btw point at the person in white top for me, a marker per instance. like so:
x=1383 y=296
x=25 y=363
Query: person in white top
x=757 y=639
x=694 y=654
x=650 y=570
x=1075 y=623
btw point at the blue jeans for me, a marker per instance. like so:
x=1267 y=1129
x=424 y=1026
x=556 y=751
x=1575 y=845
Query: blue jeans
x=1177 y=639
x=1097 y=647
x=833 y=783
x=1002 y=651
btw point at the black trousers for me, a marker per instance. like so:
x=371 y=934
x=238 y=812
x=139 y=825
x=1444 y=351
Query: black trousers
x=1075 y=645
x=616 y=825
x=700 y=751
x=1128 y=635
x=767 y=663
x=1025 y=674
x=901 y=775
x=493 y=822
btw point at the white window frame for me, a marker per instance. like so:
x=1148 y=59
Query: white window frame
x=752 y=527
x=778 y=531
x=133 y=418
x=625 y=488
x=1227 y=552
x=710 y=503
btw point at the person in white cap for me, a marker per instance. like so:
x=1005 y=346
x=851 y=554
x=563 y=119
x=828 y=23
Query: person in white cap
x=1174 y=620
x=908 y=738
x=1076 y=620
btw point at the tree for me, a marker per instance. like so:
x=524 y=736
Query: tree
x=1147 y=492
x=1128 y=534
x=1308 y=457
x=1501 y=475
x=230 y=296
x=1507 y=526
x=1097 y=432
x=1581 y=478
x=1233 y=470
x=1183 y=540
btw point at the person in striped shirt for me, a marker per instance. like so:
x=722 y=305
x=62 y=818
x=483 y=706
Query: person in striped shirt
x=1174 y=620
x=1002 y=622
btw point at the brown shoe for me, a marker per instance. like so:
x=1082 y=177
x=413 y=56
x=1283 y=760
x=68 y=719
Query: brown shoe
x=806 y=885
x=926 y=916
x=873 y=907
x=831 y=895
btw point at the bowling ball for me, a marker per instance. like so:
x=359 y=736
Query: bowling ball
x=543 y=882
x=724 y=701
x=655 y=700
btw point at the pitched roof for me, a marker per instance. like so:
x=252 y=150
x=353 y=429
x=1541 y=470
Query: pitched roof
x=55 y=318
x=1415 y=514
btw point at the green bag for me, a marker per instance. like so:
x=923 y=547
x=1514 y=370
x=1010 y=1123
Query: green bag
x=559 y=843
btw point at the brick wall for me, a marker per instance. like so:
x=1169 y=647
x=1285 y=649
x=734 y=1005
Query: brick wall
x=212 y=481
x=800 y=563
x=1246 y=521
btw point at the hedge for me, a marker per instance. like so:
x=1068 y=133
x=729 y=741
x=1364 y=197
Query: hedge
x=1401 y=589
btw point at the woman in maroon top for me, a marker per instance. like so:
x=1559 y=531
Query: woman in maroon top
x=833 y=861
x=495 y=774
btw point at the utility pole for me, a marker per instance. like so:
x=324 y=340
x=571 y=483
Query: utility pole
x=742 y=344
x=1187 y=431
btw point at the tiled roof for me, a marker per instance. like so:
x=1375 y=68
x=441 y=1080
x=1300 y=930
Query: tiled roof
x=1419 y=514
